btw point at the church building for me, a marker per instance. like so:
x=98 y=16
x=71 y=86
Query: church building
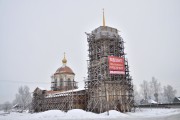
x=108 y=85
x=63 y=78
x=64 y=94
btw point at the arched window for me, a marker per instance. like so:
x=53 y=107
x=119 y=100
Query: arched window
x=55 y=82
x=61 y=82
x=69 y=82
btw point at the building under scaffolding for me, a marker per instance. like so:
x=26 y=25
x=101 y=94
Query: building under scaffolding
x=107 y=87
x=49 y=100
x=64 y=94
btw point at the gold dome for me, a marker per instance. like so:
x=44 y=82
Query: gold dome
x=64 y=61
x=64 y=69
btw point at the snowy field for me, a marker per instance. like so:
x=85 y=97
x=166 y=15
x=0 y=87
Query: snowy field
x=77 y=114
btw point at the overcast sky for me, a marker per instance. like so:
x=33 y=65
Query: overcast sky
x=34 y=35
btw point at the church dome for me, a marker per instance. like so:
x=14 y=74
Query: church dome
x=64 y=70
x=64 y=61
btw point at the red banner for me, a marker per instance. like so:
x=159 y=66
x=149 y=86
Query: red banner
x=116 y=65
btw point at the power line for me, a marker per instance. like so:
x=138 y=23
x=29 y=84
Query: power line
x=28 y=82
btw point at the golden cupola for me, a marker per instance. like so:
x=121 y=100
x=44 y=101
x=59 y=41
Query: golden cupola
x=64 y=61
x=64 y=69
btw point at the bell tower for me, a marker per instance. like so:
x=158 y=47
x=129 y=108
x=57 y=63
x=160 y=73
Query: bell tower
x=109 y=84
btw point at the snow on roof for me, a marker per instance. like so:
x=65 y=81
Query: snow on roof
x=178 y=98
x=15 y=105
x=63 y=93
x=152 y=101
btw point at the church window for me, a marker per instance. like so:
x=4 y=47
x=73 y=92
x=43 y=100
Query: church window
x=61 y=82
x=69 y=82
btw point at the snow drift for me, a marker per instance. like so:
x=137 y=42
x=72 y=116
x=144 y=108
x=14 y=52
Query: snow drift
x=78 y=114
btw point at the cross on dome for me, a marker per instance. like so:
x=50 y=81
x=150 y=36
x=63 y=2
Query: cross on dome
x=103 y=18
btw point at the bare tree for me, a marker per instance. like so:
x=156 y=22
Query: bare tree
x=23 y=98
x=7 y=106
x=155 y=88
x=137 y=97
x=145 y=90
x=169 y=93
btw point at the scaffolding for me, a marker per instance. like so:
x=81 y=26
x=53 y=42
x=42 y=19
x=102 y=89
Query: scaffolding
x=61 y=100
x=103 y=91
x=107 y=91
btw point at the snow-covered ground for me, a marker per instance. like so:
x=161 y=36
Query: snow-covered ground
x=77 y=114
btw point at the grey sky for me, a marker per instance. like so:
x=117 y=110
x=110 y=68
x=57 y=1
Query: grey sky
x=34 y=35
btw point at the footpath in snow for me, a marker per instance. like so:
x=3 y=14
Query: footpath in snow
x=78 y=114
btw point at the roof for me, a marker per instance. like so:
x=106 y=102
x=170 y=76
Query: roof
x=152 y=101
x=64 y=70
x=178 y=98
x=62 y=93
x=52 y=92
